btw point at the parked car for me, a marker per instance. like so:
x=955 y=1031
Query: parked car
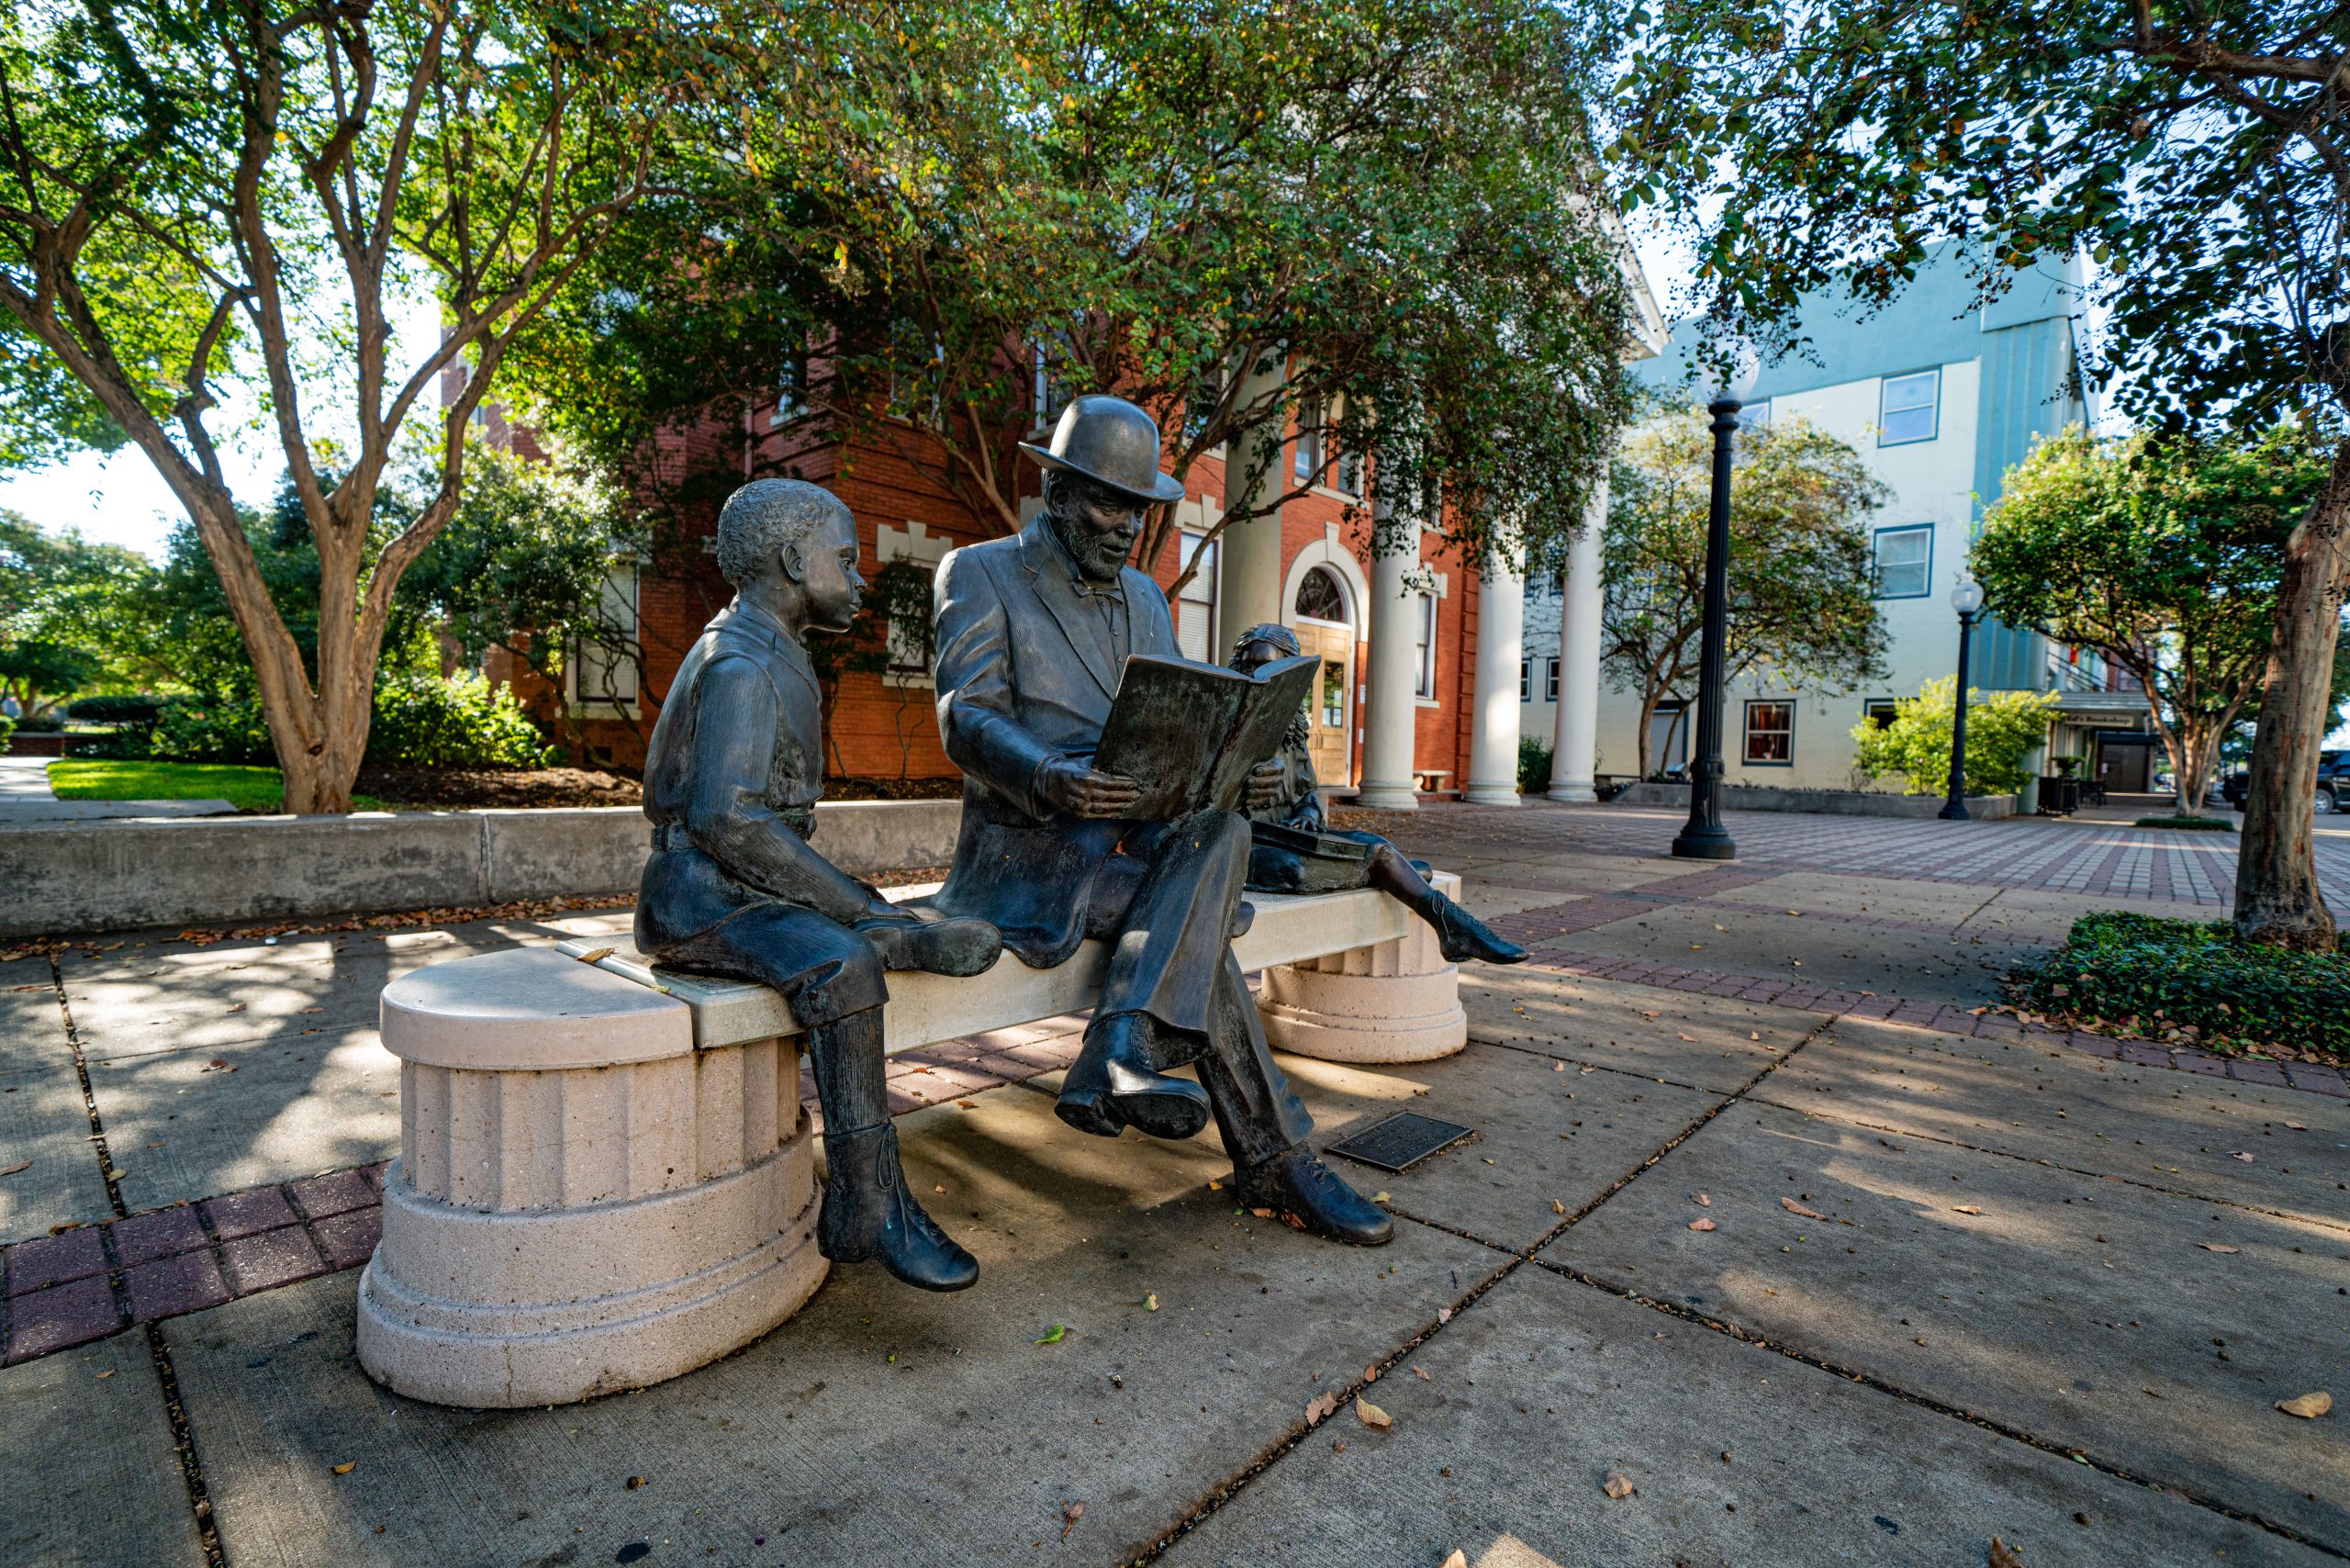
x=2333 y=783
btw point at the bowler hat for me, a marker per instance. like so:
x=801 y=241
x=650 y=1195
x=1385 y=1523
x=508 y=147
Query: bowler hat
x=1112 y=443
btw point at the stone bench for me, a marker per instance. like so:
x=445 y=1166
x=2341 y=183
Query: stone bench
x=605 y=1176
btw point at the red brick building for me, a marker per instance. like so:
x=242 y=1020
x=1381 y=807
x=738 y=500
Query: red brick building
x=884 y=725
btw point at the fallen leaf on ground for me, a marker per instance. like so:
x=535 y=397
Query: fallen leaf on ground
x=346 y=1467
x=1214 y=1185
x=1262 y=1213
x=1054 y=1335
x=1370 y=1414
x=1459 y=1559
x=1444 y=1314
x=1691 y=1038
x=1701 y=1225
x=2298 y=1127
x=2240 y=1153
x=240 y=1007
x=1617 y=1484
x=12 y=1170
x=1794 y=1207
x=1964 y=1209
x=2308 y=1406
x=939 y=1187
x=2217 y=1246
x=1703 y=1200
x=1558 y=1067
x=1069 y=1516
x=2001 y=1557
x=1150 y=1302
x=1651 y=1014
x=1556 y=1207
x=1422 y=1373
x=1318 y=1406
x=1370 y=1374
x=1379 y=1197
x=634 y=1482
x=594 y=954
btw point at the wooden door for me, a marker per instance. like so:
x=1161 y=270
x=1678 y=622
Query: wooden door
x=1332 y=704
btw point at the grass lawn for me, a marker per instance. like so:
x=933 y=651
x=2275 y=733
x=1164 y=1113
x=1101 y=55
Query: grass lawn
x=249 y=789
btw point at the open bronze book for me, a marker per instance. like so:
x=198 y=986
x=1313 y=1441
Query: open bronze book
x=1190 y=734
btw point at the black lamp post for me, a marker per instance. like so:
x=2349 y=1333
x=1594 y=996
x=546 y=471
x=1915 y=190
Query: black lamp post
x=1967 y=598
x=1705 y=838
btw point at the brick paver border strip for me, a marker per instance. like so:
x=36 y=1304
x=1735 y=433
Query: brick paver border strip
x=65 y=1289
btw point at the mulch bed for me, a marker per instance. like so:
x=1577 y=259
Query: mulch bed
x=893 y=789
x=469 y=789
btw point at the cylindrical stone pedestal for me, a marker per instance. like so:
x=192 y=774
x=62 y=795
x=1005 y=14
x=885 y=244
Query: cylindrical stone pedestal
x=1391 y=1001
x=583 y=1203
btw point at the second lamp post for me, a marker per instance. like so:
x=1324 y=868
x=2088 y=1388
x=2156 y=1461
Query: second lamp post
x=1967 y=598
x=1726 y=389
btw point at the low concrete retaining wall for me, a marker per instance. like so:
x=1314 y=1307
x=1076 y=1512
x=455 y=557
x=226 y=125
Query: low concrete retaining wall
x=107 y=876
x=1831 y=802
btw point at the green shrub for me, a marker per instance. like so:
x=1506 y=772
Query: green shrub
x=7 y=728
x=1533 y=767
x=130 y=708
x=196 y=729
x=2002 y=727
x=2136 y=974
x=464 y=721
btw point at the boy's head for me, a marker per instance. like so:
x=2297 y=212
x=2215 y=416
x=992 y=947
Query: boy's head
x=1261 y=646
x=798 y=533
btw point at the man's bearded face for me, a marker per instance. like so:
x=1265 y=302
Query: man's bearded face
x=1097 y=525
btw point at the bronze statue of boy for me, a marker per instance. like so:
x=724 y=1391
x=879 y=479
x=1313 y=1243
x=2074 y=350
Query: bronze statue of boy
x=731 y=782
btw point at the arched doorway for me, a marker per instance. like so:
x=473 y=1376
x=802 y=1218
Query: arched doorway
x=1322 y=613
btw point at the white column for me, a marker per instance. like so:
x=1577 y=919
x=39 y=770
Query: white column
x=1574 y=758
x=1393 y=711
x=1248 y=569
x=1501 y=646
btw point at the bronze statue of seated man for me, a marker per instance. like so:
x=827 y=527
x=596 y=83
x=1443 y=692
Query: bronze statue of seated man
x=1302 y=853
x=731 y=782
x=1033 y=636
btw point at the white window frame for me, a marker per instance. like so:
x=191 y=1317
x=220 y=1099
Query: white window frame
x=1905 y=386
x=1925 y=567
x=1525 y=680
x=621 y=611
x=1201 y=590
x=1748 y=733
x=1425 y=685
x=1549 y=680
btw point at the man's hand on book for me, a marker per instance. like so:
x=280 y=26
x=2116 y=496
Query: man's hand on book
x=1071 y=788
x=1264 y=789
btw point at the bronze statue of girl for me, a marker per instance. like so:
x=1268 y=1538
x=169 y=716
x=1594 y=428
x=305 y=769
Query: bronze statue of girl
x=1294 y=849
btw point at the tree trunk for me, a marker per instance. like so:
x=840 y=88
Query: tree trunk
x=1648 y=712
x=2277 y=902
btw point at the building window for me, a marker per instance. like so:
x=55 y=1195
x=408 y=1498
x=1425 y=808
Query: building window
x=1424 y=650
x=1320 y=597
x=1769 y=734
x=1905 y=561
x=1309 y=457
x=1910 y=408
x=1524 y=680
x=1195 y=606
x=603 y=657
x=1668 y=739
x=791 y=402
x=1756 y=416
x=1878 y=713
x=1049 y=391
x=1549 y=680
x=1346 y=474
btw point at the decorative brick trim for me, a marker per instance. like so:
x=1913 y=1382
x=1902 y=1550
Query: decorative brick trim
x=59 y=1292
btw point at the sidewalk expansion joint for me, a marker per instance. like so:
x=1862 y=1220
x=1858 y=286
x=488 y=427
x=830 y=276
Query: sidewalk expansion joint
x=1518 y=1257
x=159 y=1354
x=1940 y=1406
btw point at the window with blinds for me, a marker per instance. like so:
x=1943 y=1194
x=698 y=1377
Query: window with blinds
x=1195 y=606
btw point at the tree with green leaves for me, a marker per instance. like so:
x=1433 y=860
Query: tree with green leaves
x=2199 y=154
x=1802 y=603
x=65 y=608
x=2003 y=728
x=2161 y=553
x=242 y=191
x=1377 y=227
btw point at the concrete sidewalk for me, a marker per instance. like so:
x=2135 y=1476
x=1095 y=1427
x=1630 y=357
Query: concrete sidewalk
x=1955 y=1284
x=25 y=797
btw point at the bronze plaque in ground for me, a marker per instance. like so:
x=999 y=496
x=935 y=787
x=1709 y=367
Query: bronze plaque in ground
x=1402 y=1140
